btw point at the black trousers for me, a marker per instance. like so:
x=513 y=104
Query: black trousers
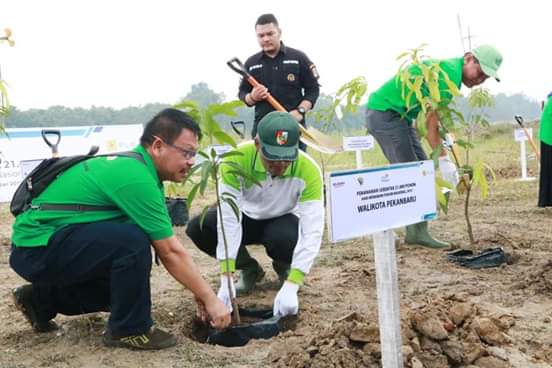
x=545 y=179
x=103 y=266
x=278 y=235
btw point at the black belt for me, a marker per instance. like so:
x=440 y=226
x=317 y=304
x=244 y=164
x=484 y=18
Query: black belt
x=73 y=207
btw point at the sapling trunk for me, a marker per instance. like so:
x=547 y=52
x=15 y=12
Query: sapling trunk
x=235 y=312
x=466 y=213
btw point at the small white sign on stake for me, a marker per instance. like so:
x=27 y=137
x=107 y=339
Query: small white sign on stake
x=363 y=142
x=358 y=144
x=521 y=137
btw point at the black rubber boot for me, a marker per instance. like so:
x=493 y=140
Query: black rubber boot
x=282 y=270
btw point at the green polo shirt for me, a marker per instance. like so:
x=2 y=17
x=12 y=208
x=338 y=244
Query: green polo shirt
x=123 y=182
x=389 y=96
x=545 y=131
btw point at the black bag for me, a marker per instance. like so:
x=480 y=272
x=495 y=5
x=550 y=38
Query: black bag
x=45 y=173
x=178 y=211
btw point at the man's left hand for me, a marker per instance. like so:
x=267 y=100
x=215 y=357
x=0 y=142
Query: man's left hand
x=286 y=301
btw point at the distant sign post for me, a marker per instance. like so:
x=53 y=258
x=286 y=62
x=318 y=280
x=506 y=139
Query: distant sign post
x=358 y=144
x=374 y=201
x=521 y=137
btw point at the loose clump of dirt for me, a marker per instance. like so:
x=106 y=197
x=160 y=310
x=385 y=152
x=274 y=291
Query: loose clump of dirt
x=445 y=332
x=539 y=281
x=511 y=171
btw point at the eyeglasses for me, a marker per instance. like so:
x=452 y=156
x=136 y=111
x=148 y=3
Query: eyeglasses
x=187 y=154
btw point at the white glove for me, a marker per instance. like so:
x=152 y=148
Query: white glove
x=224 y=294
x=286 y=301
x=449 y=172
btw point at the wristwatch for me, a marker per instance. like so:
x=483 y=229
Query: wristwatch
x=301 y=110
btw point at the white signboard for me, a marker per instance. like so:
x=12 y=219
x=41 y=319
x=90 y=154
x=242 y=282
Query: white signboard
x=519 y=134
x=365 y=142
x=26 y=144
x=370 y=200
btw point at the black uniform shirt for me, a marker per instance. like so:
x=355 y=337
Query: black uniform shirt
x=290 y=78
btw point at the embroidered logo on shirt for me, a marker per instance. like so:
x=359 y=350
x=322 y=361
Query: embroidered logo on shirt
x=281 y=137
x=291 y=77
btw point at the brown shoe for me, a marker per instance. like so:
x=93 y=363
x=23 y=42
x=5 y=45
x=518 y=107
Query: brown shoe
x=154 y=339
x=23 y=300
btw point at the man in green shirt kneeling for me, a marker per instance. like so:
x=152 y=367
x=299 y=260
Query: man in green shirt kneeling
x=85 y=243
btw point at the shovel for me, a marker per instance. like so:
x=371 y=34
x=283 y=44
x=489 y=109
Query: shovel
x=310 y=136
x=519 y=120
x=239 y=131
x=53 y=144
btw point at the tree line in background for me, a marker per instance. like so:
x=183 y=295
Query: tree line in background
x=505 y=107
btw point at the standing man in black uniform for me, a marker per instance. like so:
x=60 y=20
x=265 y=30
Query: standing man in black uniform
x=287 y=73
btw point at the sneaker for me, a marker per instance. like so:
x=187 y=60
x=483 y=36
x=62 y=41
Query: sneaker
x=154 y=339
x=23 y=300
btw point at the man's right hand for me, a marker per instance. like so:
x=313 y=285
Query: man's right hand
x=219 y=315
x=258 y=93
x=224 y=293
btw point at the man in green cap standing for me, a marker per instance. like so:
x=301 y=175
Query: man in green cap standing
x=285 y=213
x=391 y=123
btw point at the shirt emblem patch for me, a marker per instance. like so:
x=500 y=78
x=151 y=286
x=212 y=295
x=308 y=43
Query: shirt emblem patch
x=291 y=77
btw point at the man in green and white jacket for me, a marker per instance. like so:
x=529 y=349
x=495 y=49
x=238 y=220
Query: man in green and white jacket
x=285 y=213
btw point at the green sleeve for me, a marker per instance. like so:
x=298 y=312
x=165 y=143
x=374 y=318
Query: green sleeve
x=313 y=181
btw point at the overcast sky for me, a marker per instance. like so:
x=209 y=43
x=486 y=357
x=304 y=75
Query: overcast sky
x=121 y=53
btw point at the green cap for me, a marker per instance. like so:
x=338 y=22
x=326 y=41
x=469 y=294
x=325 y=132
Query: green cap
x=279 y=136
x=489 y=58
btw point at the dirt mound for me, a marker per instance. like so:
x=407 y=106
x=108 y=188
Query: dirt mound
x=512 y=172
x=539 y=281
x=445 y=332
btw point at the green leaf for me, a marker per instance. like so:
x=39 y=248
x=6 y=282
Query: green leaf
x=245 y=175
x=202 y=217
x=234 y=207
x=193 y=170
x=435 y=154
x=421 y=125
x=205 y=173
x=443 y=183
x=231 y=154
x=227 y=194
x=192 y=195
x=223 y=138
x=204 y=155
x=464 y=144
x=442 y=200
